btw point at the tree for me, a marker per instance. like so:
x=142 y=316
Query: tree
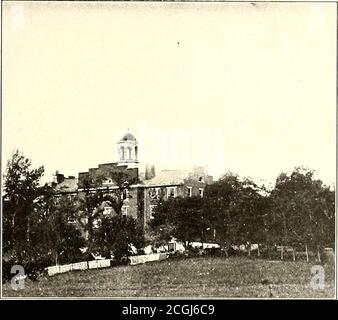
x=303 y=210
x=64 y=238
x=94 y=195
x=116 y=235
x=89 y=206
x=52 y=239
x=221 y=199
x=36 y=226
x=21 y=189
x=248 y=223
x=181 y=218
x=103 y=232
x=237 y=210
x=121 y=191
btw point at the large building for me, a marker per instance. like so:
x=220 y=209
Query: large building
x=144 y=188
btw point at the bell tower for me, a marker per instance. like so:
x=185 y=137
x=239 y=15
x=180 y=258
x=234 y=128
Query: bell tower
x=127 y=151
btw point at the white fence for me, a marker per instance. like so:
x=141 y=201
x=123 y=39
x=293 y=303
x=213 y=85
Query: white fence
x=95 y=264
x=80 y=266
x=104 y=263
x=147 y=258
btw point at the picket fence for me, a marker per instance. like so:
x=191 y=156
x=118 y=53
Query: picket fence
x=95 y=264
x=147 y=258
x=104 y=263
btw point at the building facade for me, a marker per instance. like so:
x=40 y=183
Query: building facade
x=142 y=189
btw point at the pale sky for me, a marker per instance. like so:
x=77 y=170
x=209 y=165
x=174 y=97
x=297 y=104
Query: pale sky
x=236 y=87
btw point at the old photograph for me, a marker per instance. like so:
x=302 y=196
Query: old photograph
x=168 y=150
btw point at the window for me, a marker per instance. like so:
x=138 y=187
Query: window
x=172 y=192
x=189 y=191
x=201 y=191
x=124 y=211
x=152 y=211
x=107 y=210
x=96 y=224
x=122 y=153
x=71 y=220
x=107 y=181
x=171 y=246
x=125 y=194
x=155 y=193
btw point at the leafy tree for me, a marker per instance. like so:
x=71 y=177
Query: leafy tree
x=36 y=230
x=94 y=195
x=121 y=191
x=112 y=234
x=303 y=210
x=181 y=218
x=221 y=199
x=64 y=238
x=238 y=210
x=21 y=189
x=89 y=206
x=116 y=234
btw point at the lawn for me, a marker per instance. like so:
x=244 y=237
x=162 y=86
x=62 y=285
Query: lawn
x=191 y=277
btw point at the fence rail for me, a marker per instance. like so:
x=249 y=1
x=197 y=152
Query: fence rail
x=148 y=258
x=86 y=265
x=104 y=263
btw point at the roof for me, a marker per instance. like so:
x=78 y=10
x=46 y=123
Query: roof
x=68 y=185
x=167 y=177
x=127 y=137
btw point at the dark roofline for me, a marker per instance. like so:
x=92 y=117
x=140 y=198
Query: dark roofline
x=66 y=192
x=159 y=185
x=108 y=163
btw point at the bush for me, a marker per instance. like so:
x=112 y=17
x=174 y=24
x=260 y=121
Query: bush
x=213 y=252
x=6 y=270
x=33 y=267
x=192 y=252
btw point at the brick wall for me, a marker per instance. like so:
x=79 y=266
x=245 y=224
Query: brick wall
x=108 y=170
x=132 y=202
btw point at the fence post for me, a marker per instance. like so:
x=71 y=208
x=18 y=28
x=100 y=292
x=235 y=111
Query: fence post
x=318 y=254
x=307 y=254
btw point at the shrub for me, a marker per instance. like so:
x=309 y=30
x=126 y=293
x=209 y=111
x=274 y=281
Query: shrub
x=214 y=252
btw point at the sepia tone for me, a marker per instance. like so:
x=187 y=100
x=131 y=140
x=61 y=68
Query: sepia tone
x=168 y=149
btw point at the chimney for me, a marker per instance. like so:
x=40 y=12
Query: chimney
x=59 y=177
x=150 y=172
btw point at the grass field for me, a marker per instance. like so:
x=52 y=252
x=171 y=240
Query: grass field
x=193 y=277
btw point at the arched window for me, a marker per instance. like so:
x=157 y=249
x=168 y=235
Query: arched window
x=122 y=153
x=129 y=149
x=135 y=152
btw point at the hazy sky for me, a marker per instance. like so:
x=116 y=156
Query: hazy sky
x=239 y=87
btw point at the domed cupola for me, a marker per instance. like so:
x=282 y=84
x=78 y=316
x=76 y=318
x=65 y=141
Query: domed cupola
x=127 y=151
x=128 y=137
